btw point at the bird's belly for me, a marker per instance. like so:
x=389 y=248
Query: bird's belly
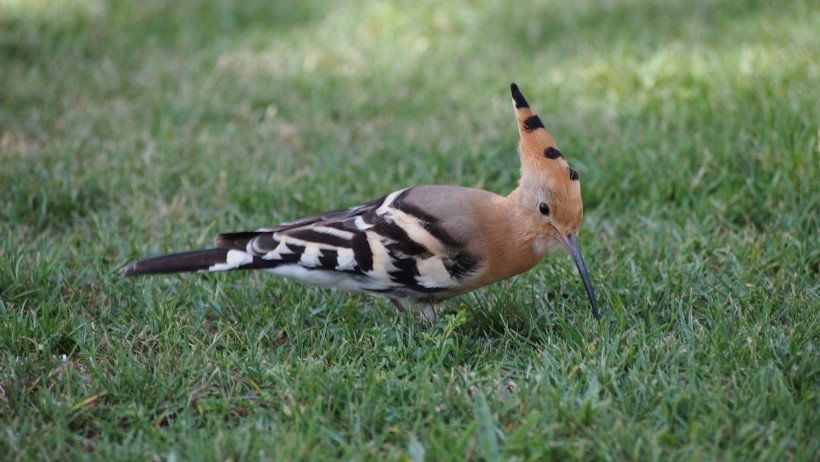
x=353 y=282
x=320 y=277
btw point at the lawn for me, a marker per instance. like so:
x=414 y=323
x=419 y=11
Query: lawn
x=130 y=129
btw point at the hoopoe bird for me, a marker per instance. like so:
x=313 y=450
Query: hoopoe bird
x=424 y=244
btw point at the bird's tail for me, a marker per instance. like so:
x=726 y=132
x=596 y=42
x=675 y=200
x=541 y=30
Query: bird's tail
x=197 y=260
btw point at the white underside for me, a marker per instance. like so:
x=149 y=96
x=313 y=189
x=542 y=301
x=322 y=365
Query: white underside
x=322 y=278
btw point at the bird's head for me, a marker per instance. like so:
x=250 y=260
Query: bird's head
x=550 y=190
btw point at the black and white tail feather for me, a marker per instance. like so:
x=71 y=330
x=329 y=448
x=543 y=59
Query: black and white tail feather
x=233 y=252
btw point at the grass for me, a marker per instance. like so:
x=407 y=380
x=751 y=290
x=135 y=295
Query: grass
x=128 y=129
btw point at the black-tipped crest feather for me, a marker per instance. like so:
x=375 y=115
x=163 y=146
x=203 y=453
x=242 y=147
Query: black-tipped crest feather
x=518 y=98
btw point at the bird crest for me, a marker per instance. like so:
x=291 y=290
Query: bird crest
x=543 y=167
x=536 y=146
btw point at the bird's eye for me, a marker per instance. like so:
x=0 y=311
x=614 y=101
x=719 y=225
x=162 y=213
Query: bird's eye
x=544 y=208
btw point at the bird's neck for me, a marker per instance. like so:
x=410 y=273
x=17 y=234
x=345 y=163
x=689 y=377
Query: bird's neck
x=513 y=242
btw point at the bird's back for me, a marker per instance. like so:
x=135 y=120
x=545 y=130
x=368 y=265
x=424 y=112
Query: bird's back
x=408 y=244
x=412 y=243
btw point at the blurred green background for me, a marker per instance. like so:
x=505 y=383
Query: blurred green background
x=129 y=129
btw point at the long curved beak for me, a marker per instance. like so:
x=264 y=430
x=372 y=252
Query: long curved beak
x=571 y=245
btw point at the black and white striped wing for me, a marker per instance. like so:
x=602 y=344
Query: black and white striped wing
x=386 y=247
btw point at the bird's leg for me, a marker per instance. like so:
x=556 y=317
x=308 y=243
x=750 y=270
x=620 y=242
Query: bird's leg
x=427 y=314
x=397 y=303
